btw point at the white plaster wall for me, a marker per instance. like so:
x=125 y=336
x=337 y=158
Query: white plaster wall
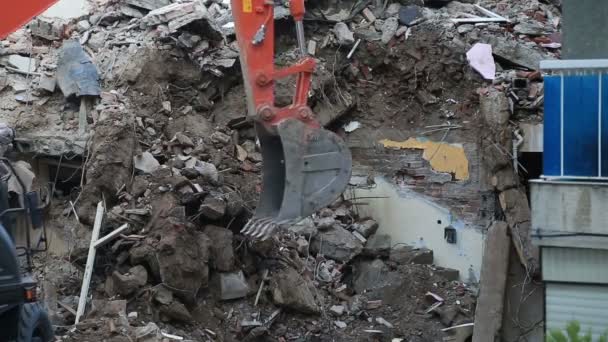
x=411 y=218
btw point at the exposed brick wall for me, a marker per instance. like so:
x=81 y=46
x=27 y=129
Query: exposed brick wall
x=470 y=200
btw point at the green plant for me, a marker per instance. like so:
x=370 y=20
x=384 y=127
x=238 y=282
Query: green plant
x=573 y=334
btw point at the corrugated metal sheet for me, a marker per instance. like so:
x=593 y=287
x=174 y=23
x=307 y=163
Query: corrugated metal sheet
x=576 y=265
x=587 y=304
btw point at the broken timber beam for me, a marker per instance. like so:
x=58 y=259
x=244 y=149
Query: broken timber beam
x=104 y=240
x=88 y=271
x=494 y=270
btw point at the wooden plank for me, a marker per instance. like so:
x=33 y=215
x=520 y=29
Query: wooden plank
x=88 y=271
x=494 y=270
x=83 y=114
x=104 y=240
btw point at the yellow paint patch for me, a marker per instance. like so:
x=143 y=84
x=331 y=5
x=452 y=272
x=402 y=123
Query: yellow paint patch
x=247 y=6
x=443 y=157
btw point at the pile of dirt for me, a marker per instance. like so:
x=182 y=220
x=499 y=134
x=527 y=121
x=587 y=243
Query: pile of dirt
x=172 y=154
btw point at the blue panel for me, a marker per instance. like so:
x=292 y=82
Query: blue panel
x=581 y=125
x=604 y=141
x=552 y=127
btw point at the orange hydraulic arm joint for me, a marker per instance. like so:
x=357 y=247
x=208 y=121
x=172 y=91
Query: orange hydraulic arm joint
x=254 y=23
x=15 y=14
x=305 y=167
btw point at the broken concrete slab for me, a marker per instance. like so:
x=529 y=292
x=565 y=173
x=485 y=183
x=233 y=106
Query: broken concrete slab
x=146 y=163
x=449 y=274
x=178 y=15
x=530 y=28
x=23 y=64
x=406 y=254
x=148 y=4
x=337 y=244
x=514 y=52
x=47 y=28
x=290 y=290
x=222 y=254
x=233 y=285
x=131 y=12
x=494 y=271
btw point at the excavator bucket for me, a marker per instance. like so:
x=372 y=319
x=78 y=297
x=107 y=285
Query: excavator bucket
x=304 y=170
x=18 y=13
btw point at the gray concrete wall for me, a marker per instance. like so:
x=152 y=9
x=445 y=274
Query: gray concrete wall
x=585 y=33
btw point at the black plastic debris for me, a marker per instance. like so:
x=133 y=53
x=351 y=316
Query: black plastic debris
x=76 y=73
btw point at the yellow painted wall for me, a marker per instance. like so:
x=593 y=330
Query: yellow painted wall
x=443 y=157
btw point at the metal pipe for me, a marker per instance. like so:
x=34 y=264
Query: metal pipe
x=301 y=38
x=516 y=144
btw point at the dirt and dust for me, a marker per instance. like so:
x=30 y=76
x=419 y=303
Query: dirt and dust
x=172 y=153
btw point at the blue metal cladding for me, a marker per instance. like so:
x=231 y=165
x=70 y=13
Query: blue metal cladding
x=552 y=127
x=576 y=125
x=580 y=138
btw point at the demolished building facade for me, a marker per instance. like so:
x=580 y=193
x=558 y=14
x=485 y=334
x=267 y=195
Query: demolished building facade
x=167 y=146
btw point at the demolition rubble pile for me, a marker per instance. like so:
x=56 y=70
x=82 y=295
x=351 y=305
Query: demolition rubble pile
x=171 y=154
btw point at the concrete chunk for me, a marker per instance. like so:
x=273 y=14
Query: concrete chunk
x=366 y=228
x=337 y=244
x=233 y=285
x=389 y=28
x=222 y=253
x=292 y=291
x=146 y=163
x=148 y=333
x=128 y=283
x=343 y=34
x=47 y=83
x=379 y=245
x=47 y=28
x=213 y=208
x=369 y=275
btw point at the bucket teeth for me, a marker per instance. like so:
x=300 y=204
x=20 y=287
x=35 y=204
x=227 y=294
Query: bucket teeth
x=262 y=228
x=259 y=228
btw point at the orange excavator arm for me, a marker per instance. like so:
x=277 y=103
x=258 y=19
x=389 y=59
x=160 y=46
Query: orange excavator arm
x=17 y=13
x=305 y=167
